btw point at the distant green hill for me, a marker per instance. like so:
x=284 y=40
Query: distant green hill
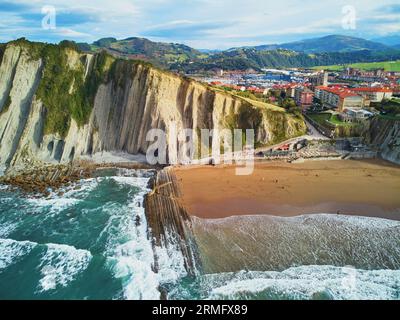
x=243 y=59
x=181 y=58
x=331 y=43
x=391 y=40
x=158 y=53
x=334 y=43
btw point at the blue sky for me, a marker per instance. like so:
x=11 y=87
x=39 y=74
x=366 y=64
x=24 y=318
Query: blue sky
x=212 y=24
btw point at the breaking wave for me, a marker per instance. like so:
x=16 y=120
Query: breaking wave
x=96 y=224
x=60 y=265
x=311 y=283
x=135 y=258
x=11 y=251
x=266 y=243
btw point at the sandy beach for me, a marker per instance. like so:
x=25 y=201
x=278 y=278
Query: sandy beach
x=344 y=187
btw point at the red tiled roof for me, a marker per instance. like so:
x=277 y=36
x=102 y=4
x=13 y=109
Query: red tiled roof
x=285 y=86
x=368 y=89
x=339 y=91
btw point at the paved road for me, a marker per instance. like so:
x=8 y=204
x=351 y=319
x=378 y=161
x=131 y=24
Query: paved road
x=312 y=134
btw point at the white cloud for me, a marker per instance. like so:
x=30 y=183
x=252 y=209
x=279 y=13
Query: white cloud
x=232 y=22
x=65 y=32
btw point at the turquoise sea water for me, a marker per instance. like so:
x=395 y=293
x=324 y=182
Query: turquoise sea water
x=92 y=243
x=89 y=243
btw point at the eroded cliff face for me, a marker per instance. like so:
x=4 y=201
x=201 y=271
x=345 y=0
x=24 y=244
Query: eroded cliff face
x=109 y=105
x=385 y=136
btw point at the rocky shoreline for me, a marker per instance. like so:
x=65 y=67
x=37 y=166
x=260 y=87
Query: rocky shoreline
x=42 y=180
x=169 y=221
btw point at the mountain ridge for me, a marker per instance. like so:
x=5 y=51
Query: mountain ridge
x=328 y=50
x=330 y=43
x=160 y=54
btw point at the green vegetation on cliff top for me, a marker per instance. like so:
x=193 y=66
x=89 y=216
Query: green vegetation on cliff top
x=64 y=91
x=63 y=88
x=2 y=49
x=158 y=53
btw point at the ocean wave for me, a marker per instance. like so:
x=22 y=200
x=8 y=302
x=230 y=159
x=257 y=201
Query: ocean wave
x=7 y=228
x=61 y=264
x=139 y=182
x=357 y=221
x=171 y=263
x=134 y=268
x=135 y=173
x=82 y=188
x=277 y=243
x=132 y=248
x=306 y=283
x=54 y=205
x=123 y=241
x=70 y=196
x=11 y=251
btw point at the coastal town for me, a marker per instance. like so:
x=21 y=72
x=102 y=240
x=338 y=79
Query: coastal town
x=338 y=107
x=331 y=99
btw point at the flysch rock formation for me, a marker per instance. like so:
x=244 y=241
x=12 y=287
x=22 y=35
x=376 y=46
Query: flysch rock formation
x=130 y=99
x=384 y=135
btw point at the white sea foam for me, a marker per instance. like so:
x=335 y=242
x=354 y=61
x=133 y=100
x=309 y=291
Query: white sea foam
x=307 y=282
x=81 y=188
x=71 y=197
x=134 y=268
x=356 y=221
x=171 y=263
x=277 y=243
x=53 y=204
x=135 y=256
x=7 y=228
x=140 y=182
x=61 y=264
x=11 y=251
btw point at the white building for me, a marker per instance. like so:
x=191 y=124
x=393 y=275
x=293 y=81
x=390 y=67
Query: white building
x=374 y=94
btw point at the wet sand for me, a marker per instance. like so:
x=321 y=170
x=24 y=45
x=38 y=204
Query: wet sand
x=365 y=188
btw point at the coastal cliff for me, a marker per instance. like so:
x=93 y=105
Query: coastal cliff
x=384 y=134
x=58 y=105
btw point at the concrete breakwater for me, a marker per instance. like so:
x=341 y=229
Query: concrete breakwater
x=169 y=223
